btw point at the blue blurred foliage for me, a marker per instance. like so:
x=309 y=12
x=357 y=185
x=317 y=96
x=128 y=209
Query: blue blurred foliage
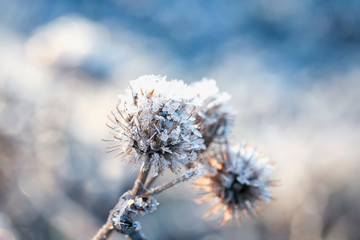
x=318 y=34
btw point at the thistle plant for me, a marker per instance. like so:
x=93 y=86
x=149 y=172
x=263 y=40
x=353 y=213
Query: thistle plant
x=238 y=178
x=159 y=125
x=214 y=112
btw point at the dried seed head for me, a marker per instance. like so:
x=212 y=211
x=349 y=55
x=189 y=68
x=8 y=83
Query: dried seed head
x=238 y=177
x=214 y=112
x=154 y=123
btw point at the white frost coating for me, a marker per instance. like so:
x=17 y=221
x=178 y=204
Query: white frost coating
x=155 y=118
x=194 y=172
x=128 y=207
x=189 y=174
x=214 y=111
x=252 y=168
x=239 y=175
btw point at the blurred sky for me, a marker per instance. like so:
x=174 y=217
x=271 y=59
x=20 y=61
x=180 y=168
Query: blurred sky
x=292 y=68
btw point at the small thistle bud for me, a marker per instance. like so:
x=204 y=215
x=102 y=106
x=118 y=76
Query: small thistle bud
x=155 y=124
x=128 y=207
x=238 y=177
x=124 y=224
x=214 y=112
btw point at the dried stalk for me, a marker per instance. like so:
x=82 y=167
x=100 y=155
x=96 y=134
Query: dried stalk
x=105 y=231
x=172 y=183
x=150 y=181
x=140 y=181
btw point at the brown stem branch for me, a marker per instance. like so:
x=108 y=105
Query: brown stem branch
x=104 y=232
x=185 y=177
x=140 y=181
x=150 y=181
x=163 y=187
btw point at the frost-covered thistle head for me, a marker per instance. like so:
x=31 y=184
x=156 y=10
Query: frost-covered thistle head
x=214 y=112
x=238 y=178
x=154 y=124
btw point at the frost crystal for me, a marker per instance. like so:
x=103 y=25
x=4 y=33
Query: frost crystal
x=239 y=178
x=155 y=124
x=128 y=207
x=190 y=174
x=214 y=112
x=193 y=173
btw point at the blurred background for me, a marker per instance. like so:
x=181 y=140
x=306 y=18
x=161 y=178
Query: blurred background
x=292 y=68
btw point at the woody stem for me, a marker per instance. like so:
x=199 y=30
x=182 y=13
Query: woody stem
x=105 y=231
x=140 y=181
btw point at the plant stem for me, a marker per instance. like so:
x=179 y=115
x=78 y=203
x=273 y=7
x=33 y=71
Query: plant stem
x=137 y=190
x=170 y=184
x=105 y=231
x=140 y=181
x=137 y=236
x=150 y=181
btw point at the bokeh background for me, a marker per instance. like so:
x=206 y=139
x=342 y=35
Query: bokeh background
x=291 y=66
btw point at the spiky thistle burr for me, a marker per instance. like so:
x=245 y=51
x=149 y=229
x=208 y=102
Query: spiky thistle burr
x=154 y=124
x=238 y=178
x=214 y=111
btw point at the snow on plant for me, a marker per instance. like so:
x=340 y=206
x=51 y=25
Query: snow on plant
x=214 y=112
x=154 y=124
x=160 y=125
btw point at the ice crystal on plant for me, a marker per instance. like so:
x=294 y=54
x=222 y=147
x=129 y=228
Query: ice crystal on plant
x=192 y=173
x=187 y=175
x=128 y=207
x=154 y=123
x=214 y=111
x=238 y=177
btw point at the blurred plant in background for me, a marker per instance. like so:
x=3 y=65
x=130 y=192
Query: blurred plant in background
x=238 y=178
x=292 y=70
